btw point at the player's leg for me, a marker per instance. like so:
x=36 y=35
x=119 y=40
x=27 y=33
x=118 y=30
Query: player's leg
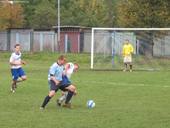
x=13 y=86
x=70 y=88
x=125 y=64
x=130 y=63
x=53 y=89
x=63 y=97
x=23 y=75
x=14 y=78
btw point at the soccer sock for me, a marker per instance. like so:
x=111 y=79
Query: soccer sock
x=63 y=97
x=125 y=66
x=46 y=100
x=130 y=67
x=19 y=80
x=69 y=96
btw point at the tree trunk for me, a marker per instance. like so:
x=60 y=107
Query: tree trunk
x=146 y=46
x=149 y=50
x=110 y=9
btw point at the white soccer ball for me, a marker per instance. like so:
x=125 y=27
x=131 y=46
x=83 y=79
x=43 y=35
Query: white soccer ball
x=90 y=104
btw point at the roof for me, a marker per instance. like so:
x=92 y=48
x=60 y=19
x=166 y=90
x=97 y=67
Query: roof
x=69 y=26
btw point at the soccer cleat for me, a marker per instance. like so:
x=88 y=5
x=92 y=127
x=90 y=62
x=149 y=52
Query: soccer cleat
x=42 y=108
x=12 y=90
x=58 y=102
x=68 y=105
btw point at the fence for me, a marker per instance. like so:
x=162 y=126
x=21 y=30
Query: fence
x=45 y=41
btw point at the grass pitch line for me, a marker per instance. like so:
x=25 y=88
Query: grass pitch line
x=142 y=85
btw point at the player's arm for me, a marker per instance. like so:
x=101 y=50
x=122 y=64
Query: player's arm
x=11 y=61
x=23 y=62
x=66 y=68
x=53 y=78
x=52 y=72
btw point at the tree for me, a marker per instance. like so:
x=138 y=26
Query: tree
x=11 y=16
x=89 y=13
x=45 y=15
x=145 y=14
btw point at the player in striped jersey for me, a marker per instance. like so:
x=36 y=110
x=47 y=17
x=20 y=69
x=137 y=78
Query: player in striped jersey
x=67 y=73
x=127 y=51
x=16 y=69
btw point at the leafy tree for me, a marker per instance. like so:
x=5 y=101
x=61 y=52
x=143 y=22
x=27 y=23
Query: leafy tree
x=45 y=16
x=145 y=14
x=11 y=16
x=89 y=13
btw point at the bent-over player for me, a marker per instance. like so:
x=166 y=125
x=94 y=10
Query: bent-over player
x=68 y=71
x=55 y=82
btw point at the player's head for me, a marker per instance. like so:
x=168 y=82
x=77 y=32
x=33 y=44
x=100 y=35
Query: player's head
x=17 y=48
x=62 y=60
x=76 y=67
x=127 y=41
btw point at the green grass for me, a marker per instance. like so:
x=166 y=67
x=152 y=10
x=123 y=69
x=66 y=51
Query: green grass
x=138 y=99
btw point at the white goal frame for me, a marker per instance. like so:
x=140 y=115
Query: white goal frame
x=92 y=36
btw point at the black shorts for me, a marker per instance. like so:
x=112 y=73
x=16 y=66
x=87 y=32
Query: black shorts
x=62 y=85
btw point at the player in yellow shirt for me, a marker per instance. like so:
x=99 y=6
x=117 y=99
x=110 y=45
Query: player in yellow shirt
x=127 y=51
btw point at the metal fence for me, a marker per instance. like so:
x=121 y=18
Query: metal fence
x=45 y=41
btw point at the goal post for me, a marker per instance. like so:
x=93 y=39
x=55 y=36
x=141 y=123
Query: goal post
x=110 y=41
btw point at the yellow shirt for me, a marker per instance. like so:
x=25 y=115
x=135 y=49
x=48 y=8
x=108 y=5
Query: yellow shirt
x=126 y=49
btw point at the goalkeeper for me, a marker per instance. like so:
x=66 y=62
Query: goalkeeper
x=127 y=51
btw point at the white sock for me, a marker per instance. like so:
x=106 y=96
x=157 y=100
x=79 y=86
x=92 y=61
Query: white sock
x=19 y=80
x=63 y=97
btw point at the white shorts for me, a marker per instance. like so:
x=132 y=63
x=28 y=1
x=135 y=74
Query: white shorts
x=127 y=59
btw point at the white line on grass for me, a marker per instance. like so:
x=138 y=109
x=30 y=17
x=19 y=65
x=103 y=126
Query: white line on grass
x=143 y=85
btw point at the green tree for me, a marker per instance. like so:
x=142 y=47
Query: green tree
x=45 y=16
x=145 y=14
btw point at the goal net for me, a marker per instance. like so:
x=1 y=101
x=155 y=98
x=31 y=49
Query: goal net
x=151 y=48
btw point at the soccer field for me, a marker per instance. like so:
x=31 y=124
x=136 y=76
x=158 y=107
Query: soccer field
x=138 y=99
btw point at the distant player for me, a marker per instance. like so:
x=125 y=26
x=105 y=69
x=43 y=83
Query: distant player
x=16 y=70
x=127 y=51
x=68 y=71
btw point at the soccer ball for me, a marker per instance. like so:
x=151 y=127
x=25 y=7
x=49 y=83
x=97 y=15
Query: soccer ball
x=90 y=104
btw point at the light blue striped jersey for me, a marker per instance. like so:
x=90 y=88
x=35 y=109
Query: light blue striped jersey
x=56 y=70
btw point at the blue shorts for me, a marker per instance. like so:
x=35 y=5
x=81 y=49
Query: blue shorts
x=17 y=72
x=65 y=79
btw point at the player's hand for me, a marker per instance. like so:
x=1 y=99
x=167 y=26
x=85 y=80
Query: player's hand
x=128 y=53
x=57 y=82
x=24 y=63
x=64 y=74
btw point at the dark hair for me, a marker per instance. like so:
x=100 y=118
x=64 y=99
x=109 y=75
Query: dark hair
x=61 y=57
x=16 y=45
